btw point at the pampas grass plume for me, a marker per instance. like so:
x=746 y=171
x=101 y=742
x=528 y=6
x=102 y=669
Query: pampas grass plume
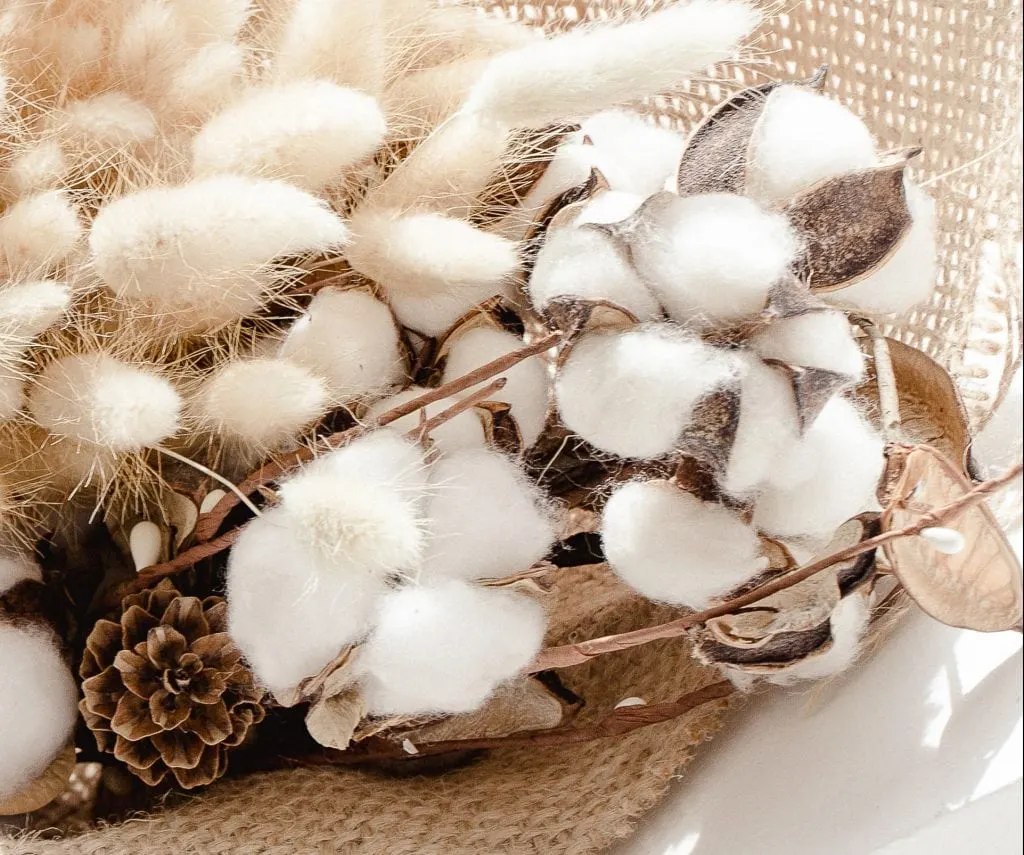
x=110 y=120
x=306 y=133
x=445 y=648
x=39 y=168
x=29 y=308
x=582 y=73
x=38 y=233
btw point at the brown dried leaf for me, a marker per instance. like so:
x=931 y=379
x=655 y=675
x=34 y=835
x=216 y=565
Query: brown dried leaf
x=813 y=388
x=574 y=316
x=43 y=789
x=850 y=225
x=332 y=720
x=182 y=515
x=336 y=676
x=978 y=588
x=710 y=435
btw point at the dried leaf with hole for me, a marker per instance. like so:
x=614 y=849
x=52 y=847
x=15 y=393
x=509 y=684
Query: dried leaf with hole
x=332 y=720
x=976 y=588
x=43 y=789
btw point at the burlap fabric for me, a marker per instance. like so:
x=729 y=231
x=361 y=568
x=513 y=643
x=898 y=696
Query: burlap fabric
x=945 y=74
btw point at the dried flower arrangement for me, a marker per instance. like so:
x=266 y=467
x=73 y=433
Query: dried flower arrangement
x=317 y=361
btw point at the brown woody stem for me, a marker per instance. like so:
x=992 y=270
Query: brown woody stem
x=421 y=431
x=576 y=654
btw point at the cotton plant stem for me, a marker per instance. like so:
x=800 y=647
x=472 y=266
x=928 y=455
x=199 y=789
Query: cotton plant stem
x=422 y=431
x=885 y=380
x=575 y=654
x=209 y=523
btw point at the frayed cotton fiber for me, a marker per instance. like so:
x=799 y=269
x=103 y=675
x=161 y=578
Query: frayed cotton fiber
x=672 y=547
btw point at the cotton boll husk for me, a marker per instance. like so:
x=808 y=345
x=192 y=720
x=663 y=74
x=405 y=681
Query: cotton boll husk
x=672 y=547
x=201 y=252
x=647 y=156
x=289 y=610
x=15 y=569
x=28 y=308
x=350 y=339
x=262 y=402
x=109 y=120
x=424 y=254
x=767 y=428
x=464 y=431
x=908 y=276
x=612 y=206
x=94 y=398
x=445 y=648
x=849 y=623
x=527 y=383
x=306 y=133
x=486 y=519
x=830 y=476
x=712 y=257
x=802 y=138
x=588 y=264
x=39 y=168
x=581 y=73
x=38 y=705
x=633 y=393
x=38 y=233
x=815 y=340
x=435 y=314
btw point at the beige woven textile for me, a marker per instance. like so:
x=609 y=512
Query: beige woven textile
x=945 y=74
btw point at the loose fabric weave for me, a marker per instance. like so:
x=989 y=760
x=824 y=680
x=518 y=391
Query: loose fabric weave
x=942 y=74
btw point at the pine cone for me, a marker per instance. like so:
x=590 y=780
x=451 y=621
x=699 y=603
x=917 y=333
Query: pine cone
x=165 y=689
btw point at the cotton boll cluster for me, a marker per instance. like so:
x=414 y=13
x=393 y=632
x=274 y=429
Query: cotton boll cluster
x=465 y=431
x=527 y=383
x=673 y=547
x=632 y=393
x=815 y=340
x=444 y=648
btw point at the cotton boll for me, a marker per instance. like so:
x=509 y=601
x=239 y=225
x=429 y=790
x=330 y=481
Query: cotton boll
x=424 y=254
x=445 y=649
x=830 y=476
x=633 y=393
x=848 y=623
x=306 y=133
x=672 y=547
x=36 y=169
x=612 y=206
x=587 y=264
x=802 y=138
x=435 y=314
x=815 y=340
x=38 y=233
x=908 y=276
x=201 y=252
x=94 y=398
x=767 y=429
x=262 y=402
x=526 y=387
x=647 y=155
x=464 y=431
x=289 y=610
x=578 y=74
x=486 y=519
x=28 y=308
x=38 y=705
x=15 y=569
x=350 y=339
x=712 y=257
x=109 y=120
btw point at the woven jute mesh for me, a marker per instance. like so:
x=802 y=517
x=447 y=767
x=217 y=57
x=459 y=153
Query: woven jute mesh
x=944 y=74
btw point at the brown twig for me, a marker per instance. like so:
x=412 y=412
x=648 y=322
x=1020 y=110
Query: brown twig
x=421 y=431
x=885 y=380
x=576 y=654
x=620 y=721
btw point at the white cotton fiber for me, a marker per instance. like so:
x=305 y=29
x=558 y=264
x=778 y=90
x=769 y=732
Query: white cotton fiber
x=583 y=72
x=849 y=623
x=360 y=507
x=672 y=547
x=815 y=340
x=28 y=308
x=464 y=431
x=612 y=206
x=435 y=314
x=587 y=264
x=802 y=138
x=262 y=402
x=97 y=399
x=909 y=275
x=712 y=257
x=829 y=476
x=445 y=649
x=306 y=133
x=202 y=252
x=290 y=610
x=350 y=339
x=526 y=389
x=633 y=393
x=486 y=519
x=423 y=254
x=15 y=569
x=38 y=706
x=768 y=427
x=38 y=233
x=646 y=156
